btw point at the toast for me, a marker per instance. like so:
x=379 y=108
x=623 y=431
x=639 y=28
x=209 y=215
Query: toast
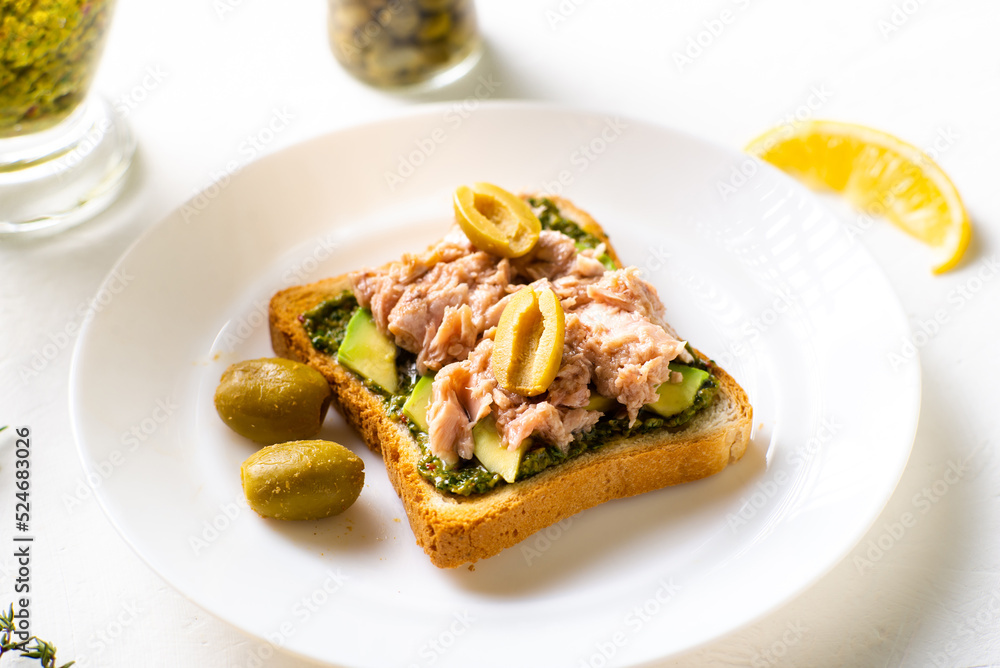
x=453 y=529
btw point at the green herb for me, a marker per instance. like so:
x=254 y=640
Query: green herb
x=44 y=651
x=7 y=629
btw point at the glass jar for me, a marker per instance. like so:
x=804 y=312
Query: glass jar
x=63 y=156
x=404 y=43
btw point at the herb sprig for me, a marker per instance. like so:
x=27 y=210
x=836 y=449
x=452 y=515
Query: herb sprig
x=33 y=648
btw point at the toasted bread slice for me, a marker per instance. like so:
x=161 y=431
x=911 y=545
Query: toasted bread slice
x=454 y=530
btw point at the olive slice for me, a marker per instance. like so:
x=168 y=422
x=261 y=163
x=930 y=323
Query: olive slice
x=528 y=347
x=495 y=220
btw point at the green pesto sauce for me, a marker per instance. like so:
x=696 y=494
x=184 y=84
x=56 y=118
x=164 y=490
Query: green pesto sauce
x=49 y=50
x=468 y=478
x=326 y=325
x=612 y=426
x=549 y=217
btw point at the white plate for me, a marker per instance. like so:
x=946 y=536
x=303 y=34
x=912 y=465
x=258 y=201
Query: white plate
x=758 y=275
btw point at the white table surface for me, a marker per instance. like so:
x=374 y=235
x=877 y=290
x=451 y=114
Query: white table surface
x=200 y=76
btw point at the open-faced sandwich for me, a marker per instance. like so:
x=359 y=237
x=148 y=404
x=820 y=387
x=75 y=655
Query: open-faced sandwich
x=513 y=374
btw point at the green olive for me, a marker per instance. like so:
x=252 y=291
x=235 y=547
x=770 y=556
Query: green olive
x=273 y=400
x=528 y=347
x=495 y=220
x=302 y=480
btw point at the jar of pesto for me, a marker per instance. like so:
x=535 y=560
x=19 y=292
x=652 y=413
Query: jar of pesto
x=404 y=43
x=63 y=155
x=49 y=50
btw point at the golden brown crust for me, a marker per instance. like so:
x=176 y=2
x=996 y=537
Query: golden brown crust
x=455 y=530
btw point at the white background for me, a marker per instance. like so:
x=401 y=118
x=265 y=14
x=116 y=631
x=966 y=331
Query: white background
x=200 y=77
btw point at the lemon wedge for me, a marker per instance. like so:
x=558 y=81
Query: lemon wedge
x=877 y=173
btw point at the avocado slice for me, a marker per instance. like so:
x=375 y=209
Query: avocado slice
x=599 y=402
x=492 y=454
x=416 y=405
x=678 y=397
x=369 y=352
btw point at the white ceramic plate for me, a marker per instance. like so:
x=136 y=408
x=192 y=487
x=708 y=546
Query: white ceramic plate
x=758 y=274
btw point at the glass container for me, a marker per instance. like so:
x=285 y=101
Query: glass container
x=405 y=43
x=63 y=154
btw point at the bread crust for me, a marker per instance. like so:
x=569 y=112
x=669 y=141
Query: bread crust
x=454 y=530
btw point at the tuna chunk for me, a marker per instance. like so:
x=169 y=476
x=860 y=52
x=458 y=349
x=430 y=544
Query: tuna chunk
x=380 y=289
x=437 y=311
x=549 y=423
x=613 y=333
x=465 y=392
x=460 y=397
x=554 y=255
x=442 y=304
x=448 y=423
x=587 y=265
x=625 y=290
x=455 y=336
x=438 y=303
x=571 y=386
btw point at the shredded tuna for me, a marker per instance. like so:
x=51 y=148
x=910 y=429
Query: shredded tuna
x=614 y=334
x=380 y=289
x=465 y=392
x=571 y=386
x=587 y=266
x=547 y=422
x=443 y=304
x=454 y=336
x=461 y=396
x=614 y=339
x=438 y=303
x=627 y=291
x=554 y=255
x=479 y=395
x=450 y=430
x=435 y=310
